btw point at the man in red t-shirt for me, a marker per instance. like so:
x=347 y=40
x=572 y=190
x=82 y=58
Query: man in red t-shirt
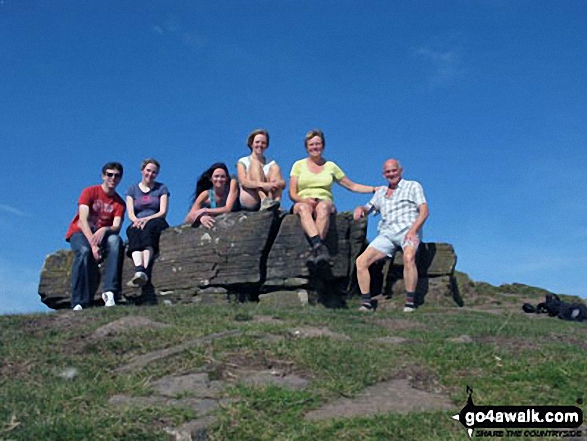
x=93 y=237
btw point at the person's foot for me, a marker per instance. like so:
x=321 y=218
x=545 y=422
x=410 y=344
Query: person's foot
x=409 y=307
x=108 y=298
x=77 y=308
x=269 y=204
x=366 y=307
x=322 y=255
x=139 y=279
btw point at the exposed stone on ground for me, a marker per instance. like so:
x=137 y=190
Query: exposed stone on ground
x=392 y=340
x=201 y=406
x=197 y=385
x=312 y=332
x=271 y=377
x=125 y=324
x=267 y=319
x=381 y=398
x=247 y=255
x=141 y=361
x=195 y=430
x=461 y=339
x=285 y=298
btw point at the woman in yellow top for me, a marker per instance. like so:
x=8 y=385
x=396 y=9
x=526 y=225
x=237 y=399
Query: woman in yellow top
x=310 y=188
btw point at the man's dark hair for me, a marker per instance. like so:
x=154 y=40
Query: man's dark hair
x=113 y=166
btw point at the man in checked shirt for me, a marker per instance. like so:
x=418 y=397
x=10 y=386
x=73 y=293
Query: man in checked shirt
x=403 y=211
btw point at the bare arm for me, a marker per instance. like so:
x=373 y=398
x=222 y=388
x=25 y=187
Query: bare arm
x=130 y=209
x=196 y=211
x=293 y=193
x=357 y=188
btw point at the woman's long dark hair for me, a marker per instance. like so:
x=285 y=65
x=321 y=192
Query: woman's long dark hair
x=205 y=180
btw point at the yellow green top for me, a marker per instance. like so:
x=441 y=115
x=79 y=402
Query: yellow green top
x=316 y=185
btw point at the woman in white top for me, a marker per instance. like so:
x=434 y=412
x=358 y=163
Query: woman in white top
x=261 y=183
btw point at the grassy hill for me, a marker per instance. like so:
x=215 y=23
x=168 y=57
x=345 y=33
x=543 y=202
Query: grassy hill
x=252 y=372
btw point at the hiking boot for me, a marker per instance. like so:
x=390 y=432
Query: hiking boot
x=311 y=260
x=108 y=298
x=322 y=255
x=269 y=204
x=139 y=279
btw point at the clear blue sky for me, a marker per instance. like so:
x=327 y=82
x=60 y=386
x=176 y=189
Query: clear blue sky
x=484 y=102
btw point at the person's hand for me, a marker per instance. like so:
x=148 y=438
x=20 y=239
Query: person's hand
x=140 y=223
x=312 y=202
x=412 y=238
x=193 y=216
x=358 y=213
x=96 y=253
x=207 y=221
x=268 y=187
x=98 y=236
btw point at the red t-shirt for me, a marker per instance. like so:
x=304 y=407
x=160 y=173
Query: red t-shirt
x=103 y=209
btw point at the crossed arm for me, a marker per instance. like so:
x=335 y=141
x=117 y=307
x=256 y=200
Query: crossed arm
x=141 y=222
x=96 y=238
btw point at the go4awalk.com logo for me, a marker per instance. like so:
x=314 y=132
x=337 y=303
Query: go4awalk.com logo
x=518 y=421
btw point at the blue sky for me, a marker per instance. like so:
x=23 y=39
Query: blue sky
x=484 y=102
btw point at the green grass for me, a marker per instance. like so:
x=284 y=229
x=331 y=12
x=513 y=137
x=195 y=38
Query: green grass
x=514 y=359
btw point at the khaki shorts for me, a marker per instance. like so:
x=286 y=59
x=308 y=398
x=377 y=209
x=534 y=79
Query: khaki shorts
x=388 y=243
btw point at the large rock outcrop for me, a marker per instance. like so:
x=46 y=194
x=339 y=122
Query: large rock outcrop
x=250 y=256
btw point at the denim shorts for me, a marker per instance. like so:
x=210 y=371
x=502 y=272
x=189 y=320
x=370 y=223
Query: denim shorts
x=388 y=242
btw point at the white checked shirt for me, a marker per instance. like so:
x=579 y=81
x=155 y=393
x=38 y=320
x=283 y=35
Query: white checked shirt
x=400 y=210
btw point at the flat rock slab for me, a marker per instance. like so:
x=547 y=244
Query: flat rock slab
x=392 y=340
x=202 y=406
x=312 y=332
x=381 y=398
x=195 y=430
x=195 y=385
x=271 y=377
x=141 y=361
x=461 y=339
x=126 y=323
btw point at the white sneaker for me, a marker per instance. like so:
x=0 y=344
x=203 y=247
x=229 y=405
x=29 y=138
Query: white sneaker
x=77 y=308
x=108 y=298
x=409 y=308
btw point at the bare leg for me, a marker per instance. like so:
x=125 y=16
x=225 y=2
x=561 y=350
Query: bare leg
x=275 y=176
x=364 y=261
x=323 y=211
x=137 y=258
x=308 y=224
x=251 y=197
x=147 y=253
x=410 y=269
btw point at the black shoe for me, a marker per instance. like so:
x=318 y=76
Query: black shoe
x=322 y=255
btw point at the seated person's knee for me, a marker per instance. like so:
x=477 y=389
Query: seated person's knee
x=114 y=241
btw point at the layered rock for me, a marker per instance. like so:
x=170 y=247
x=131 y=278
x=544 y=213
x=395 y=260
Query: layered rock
x=250 y=256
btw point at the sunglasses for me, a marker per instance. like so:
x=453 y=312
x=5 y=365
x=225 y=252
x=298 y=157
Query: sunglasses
x=113 y=175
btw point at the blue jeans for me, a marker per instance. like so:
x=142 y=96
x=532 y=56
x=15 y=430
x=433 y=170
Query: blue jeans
x=85 y=275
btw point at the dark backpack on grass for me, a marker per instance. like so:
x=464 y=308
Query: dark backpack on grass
x=555 y=307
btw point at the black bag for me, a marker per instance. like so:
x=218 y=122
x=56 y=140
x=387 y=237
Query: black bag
x=555 y=307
